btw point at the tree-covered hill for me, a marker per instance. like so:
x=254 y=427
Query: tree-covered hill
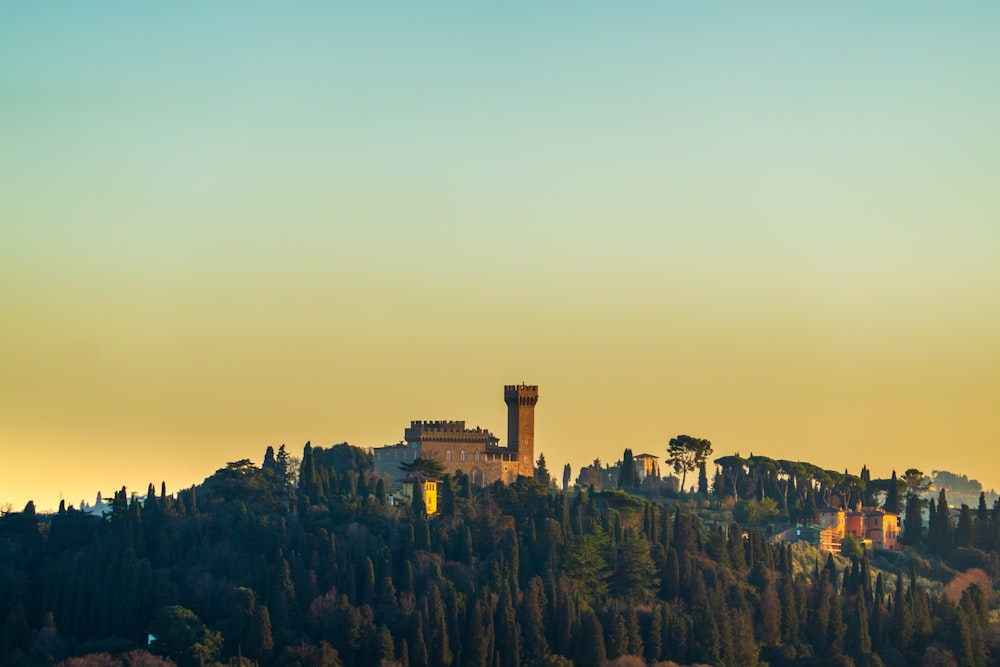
x=250 y=568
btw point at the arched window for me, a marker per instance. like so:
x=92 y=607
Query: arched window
x=463 y=454
x=447 y=455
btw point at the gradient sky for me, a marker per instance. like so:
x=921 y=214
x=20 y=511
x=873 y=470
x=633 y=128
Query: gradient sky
x=226 y=226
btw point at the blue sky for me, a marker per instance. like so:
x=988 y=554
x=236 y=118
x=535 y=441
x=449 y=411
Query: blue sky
x=228 y=226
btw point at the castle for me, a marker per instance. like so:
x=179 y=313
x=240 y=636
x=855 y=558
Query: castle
x=476 y=452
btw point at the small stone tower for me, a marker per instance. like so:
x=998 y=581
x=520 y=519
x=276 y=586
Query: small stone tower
x=520 y=400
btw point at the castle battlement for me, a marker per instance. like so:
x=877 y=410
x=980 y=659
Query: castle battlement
x=474 y=451
x=440 y=426
x=520 y=394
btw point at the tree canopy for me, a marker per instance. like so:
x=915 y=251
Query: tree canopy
x=685 y=453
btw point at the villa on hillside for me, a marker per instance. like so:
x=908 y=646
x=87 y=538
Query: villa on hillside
x=646 y=465
x=873 y=527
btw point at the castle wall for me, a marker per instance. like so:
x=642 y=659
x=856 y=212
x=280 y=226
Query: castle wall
x=475 y=452
x=387 y=460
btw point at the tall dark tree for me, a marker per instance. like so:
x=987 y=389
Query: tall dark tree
x=542 y=475
x=530 y=617
x=940 y=532
x=913 y=521
x=628 y=477
x=567 y=475
x=259 y=642
x=474 y=646
x=859 y=642
x=892 y=503
x=309 y=479
x=964 y=531
x=419 y=504
x=702 y=479
x=901 y=629
x=590 y=650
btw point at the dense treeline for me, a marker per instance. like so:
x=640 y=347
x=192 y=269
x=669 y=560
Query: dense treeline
x=249 y=569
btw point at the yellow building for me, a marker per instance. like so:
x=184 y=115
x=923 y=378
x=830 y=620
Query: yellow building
x=833 y=519
x=430 y=487
x=872 y=526
x=647 y=465
x=879 y=526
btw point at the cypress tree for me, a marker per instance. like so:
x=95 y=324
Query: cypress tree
x=542 y=475
x=892 y=503
x=385 y=647
x=530 y=618
x=769 y=615
x=590 y=651
x=507 y=636
x=628 y=478
x=309 y=479
x=819 y=615
x=632 y=629
x=419 y=505
x=837 y=628
x=418 y=652
x=876 y=625
x=474 y=647
x=913 y=527
x=259 y=641
x=859 y=642
x=789 y=613
x=963 y=533
x=901 y=631
x=744 y=649
x=616 y=635
x=439 y=646
x=960 y=641
x=446 y=496
x=654 y=635
x=984 y=532
x=940 y=536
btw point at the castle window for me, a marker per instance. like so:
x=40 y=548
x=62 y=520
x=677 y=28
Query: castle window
x=447 y=455
x=477 y=457
x=463 y=454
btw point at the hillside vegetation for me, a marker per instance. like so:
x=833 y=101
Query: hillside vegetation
x=249 y=568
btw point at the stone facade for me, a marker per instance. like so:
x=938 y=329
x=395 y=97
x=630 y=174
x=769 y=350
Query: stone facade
x=476 y=452
x=873 y=526
x=647 y=465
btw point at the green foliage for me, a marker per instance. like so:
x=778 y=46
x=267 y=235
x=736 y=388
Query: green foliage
x=234 y=572
x=586 y=565
x=685 y=453
x=542 y=475
x=850 y=547
x=182 y=636
x=753 y=513
x=628 y=476
x=423 y=467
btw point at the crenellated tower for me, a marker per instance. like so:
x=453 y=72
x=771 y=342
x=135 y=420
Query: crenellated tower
x=521 y=400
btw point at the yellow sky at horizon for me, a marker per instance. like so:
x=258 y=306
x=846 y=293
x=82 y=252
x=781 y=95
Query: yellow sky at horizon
x=223 y=228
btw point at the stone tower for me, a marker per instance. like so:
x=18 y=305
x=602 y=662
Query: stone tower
x=520 y=400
